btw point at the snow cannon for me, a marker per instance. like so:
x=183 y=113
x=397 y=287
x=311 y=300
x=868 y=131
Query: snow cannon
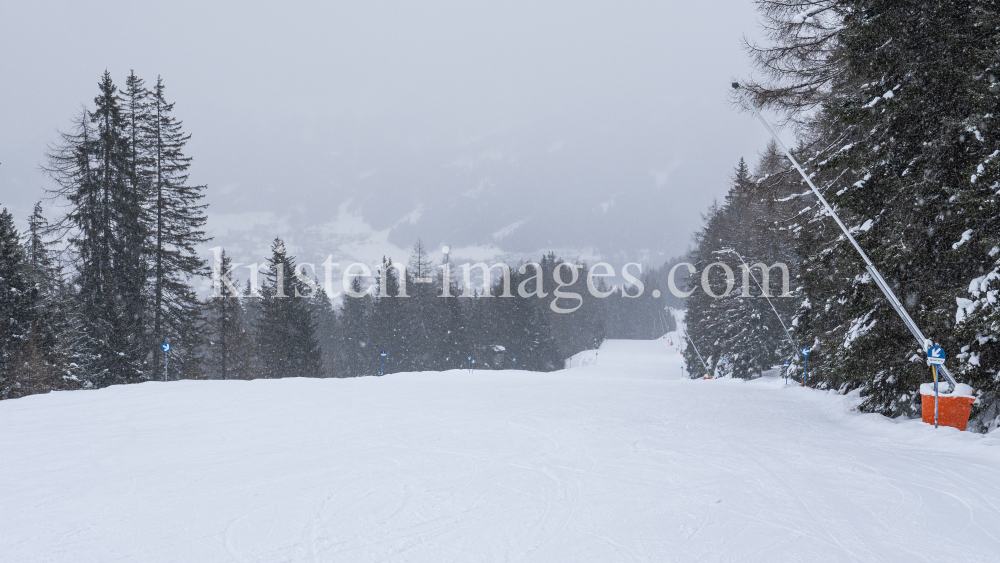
x=953 y=407
x=944 y=409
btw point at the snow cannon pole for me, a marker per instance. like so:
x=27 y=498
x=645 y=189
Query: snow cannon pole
x=769 y=302
x=691 y=340
x=869 y=266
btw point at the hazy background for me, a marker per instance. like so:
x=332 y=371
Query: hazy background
x=352 y=128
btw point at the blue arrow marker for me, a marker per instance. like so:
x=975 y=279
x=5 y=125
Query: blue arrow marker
x=935 y=355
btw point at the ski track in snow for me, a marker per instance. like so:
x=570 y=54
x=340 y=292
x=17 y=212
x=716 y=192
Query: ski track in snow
x=619 y=460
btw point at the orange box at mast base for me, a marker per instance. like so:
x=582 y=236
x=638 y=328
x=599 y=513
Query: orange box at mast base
x=952 y=411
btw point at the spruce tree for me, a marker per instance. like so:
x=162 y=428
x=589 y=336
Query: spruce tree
x=71 y=165
x=355 y=354
x=127 y=272
x=704 y=323
x=327 y=332
x=176 y=216
x=743 y=326
x=581 y=329
x=423 y=320
x=520 y=325
x=974 y=257
x=17 y=317
x=453 y=344
x=52 y=341
x=387 y=329
x=286 y=330
x=91 y=168
x=229 y=352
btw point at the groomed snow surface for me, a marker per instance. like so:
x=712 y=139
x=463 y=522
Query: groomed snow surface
x=617 y=460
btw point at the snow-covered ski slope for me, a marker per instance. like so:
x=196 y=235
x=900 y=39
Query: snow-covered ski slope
x=616 y=461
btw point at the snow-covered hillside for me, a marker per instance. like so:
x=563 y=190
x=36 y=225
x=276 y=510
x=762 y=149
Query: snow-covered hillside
x=619 y=460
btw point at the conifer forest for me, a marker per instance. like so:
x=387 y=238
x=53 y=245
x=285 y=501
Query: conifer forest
x=894 y=109
x=91 y=296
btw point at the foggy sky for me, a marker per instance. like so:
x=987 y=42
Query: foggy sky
x=502 y=129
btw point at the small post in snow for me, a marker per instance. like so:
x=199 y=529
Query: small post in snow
x=786 y=372
x=515 y=363
x=166 y=348
x=805 y=368
x=470 y=364
x=934 y=373
x=383 y=362
x=935 y=357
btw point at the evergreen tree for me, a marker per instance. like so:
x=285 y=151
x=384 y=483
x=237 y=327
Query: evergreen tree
x=454 y=341
x=91 y=168
x=387 y=328
x=286 y=331
x=229 y=343
x=51 y=345
x=15 y=302
x=327 y=332
x=133 y=239
x=733 y=320
x=134 y=100
x=125 y=315
x=354 y=322
x=423 y=320
x=977 y=334
x=756 y=338
x=703 y=322
x=520 y=325
x=176 y=219
x=575 y=322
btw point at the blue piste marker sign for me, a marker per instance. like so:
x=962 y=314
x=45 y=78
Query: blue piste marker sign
x=935 y=355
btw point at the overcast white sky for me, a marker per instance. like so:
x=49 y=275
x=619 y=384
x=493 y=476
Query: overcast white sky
x=353 y=128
